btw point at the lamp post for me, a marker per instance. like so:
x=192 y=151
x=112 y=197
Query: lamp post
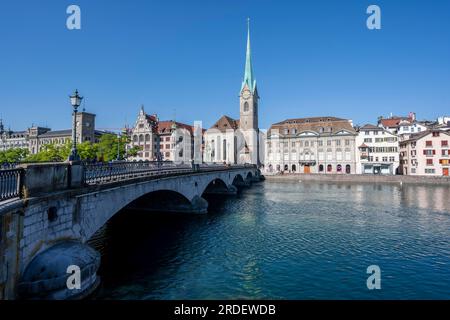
x=118 y=147
x=75 y=100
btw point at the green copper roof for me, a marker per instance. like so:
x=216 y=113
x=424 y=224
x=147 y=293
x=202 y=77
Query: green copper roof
x=249 y=79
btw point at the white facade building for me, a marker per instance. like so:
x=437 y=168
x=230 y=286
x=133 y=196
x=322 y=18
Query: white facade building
x=377 y=151
x=323 y=145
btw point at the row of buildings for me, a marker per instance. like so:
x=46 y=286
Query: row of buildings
x=322 y=145
x=35 y=137
x=328 y=145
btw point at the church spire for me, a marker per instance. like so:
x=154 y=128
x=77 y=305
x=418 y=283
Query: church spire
x=249 y=79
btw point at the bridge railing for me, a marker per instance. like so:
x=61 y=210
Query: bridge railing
x=98 y=173
x=115 y=171
x=11 y=181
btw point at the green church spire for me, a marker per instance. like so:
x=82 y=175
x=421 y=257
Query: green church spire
x=249 y=79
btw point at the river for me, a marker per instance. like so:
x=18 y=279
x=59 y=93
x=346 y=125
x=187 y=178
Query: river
x=285 y=240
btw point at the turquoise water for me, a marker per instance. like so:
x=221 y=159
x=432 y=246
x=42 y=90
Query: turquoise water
x=286 y=240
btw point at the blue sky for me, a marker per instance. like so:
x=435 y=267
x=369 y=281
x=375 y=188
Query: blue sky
x=185 y=59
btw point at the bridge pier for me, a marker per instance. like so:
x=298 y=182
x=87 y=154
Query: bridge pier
x=230 y=190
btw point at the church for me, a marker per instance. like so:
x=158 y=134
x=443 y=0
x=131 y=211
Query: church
x=238 y=141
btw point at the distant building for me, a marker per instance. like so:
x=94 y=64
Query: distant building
x=235 y=141
x=144 y=136
x=13 y=139
x=392 y=123
x=161 y=140
x=176 y=141
x=35 y=138
x=377 y=151
x=426 y=153
x=311 y=145
x=444 y=120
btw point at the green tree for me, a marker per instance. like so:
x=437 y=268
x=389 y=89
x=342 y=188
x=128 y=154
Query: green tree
x=110 y=145
x=13 y=155
x=87 y=150
x=51 y=153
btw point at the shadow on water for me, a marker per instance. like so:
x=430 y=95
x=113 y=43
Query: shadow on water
x=290 y=240
x=135 y=245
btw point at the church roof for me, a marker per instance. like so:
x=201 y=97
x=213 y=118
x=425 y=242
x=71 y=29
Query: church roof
x=225 y=123
x=249 y=78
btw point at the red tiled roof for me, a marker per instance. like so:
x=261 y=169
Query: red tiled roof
x=166 y=126
x=393 y=122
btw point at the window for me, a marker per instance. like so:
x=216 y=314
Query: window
x=306 y=143
x=286 y=131
x=320 y=143
x=429 y=162
x=429 y=153
x=329 y=143
x=429 y=143
x=329 y=156
x=347 y=142
x=338 y=143
x=347 y=169
x=368 y=140
x=367 y=133
x=435 y=134
x=293 y=144
x=430 y=171
x=321 y=156
x=348 y=156
x=444 y=143
x=385 y=159
x=445 y=152
x=391 y=159
x=246 y=107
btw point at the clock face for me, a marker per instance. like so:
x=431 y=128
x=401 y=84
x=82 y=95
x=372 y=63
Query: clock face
x=246 y=94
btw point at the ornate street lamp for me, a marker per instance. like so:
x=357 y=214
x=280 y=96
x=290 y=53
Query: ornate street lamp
x=75 y=100
x=118 y=147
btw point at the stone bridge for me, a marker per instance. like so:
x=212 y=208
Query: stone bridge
x=49 y=211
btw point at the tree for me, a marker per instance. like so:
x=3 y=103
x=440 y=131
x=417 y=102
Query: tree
x=110 y=145
x=87 y=150
x=13 y=155
x=51 y=153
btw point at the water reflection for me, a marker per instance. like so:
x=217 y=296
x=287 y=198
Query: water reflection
x=290 y=240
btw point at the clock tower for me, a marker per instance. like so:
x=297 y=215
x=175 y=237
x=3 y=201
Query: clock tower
x=249 y=93
x=248 y=101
